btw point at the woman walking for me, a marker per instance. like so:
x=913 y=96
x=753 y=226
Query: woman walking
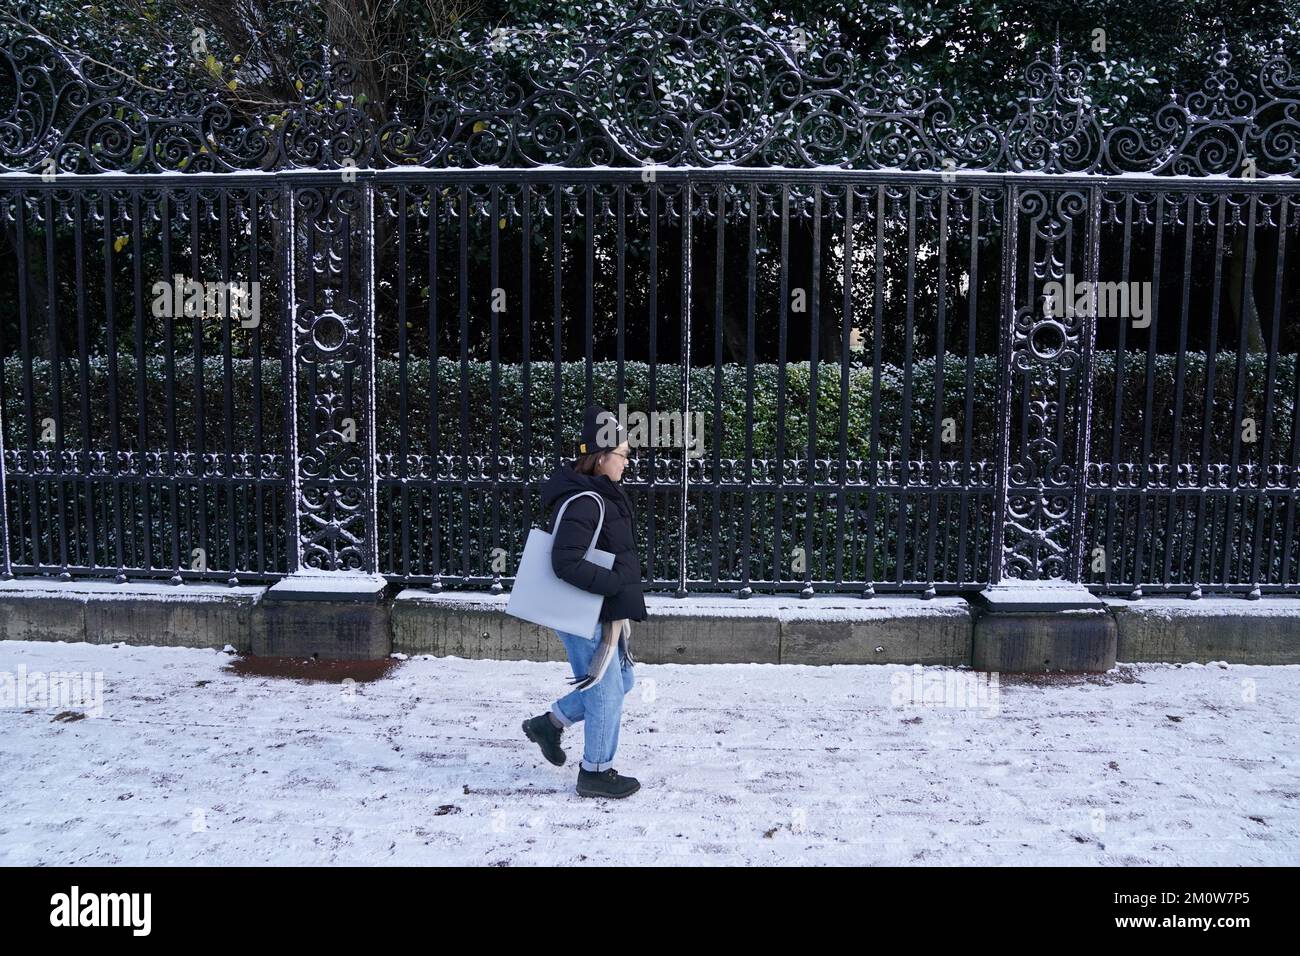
x=599 y=682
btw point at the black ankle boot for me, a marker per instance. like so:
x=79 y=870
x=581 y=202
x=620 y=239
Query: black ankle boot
x=541 y=731
x=606 y=783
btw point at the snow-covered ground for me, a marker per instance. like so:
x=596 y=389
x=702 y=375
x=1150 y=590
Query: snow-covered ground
x=739 y=763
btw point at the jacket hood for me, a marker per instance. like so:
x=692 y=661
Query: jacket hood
x=566 y=482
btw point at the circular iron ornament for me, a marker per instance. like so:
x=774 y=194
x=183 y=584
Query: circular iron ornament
x=328 y=333
x=675 y=84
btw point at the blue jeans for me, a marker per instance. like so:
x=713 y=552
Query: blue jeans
x=600 y=705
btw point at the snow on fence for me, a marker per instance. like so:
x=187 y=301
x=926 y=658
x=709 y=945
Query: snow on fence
x=927 y=354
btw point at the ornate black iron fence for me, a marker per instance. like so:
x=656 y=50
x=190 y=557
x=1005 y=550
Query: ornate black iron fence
x=867 y=313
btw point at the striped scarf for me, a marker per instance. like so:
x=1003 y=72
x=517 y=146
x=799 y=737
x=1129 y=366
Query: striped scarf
x=613 y=634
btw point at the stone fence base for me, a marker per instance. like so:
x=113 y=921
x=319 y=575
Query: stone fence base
x=696 y=630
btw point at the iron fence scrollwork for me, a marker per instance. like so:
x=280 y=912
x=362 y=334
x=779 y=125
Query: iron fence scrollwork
x=445 y=278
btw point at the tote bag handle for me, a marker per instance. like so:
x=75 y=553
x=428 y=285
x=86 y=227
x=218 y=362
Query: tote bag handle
x=600 y=522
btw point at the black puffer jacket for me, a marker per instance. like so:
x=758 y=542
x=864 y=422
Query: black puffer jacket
x=621 y=584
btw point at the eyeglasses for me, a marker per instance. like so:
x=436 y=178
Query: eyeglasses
x=628 y=457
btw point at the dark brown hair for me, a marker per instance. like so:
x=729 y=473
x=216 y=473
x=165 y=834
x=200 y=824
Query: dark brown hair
x=586 y=464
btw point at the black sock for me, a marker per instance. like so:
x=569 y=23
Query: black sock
x=554 y=723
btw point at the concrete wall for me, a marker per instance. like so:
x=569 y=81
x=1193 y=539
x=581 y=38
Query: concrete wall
x=704 y=630
x=697 y=630
x=1266 y=631
x=199 y=615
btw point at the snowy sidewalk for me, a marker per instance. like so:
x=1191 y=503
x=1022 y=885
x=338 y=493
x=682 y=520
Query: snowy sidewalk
x=739 y=763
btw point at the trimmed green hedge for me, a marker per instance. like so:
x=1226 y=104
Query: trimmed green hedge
x=475 y=392
x=410 y=515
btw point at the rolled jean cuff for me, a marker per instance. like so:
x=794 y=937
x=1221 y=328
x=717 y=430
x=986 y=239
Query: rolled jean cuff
x=559 y=714
x=590 y=767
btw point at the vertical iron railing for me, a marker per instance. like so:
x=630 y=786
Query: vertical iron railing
x=889 y=402
x=129 y=450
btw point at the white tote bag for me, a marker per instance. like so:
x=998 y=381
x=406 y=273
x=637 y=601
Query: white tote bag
x=543 y=598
